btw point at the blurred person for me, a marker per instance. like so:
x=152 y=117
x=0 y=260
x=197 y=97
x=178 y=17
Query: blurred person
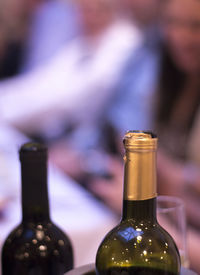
x=142 y=66
x=150 y=98
x=95 y=160
x=165 y=96
x=86 y=61
x=71 y=90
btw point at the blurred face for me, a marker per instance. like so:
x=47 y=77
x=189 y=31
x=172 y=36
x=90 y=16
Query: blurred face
x=96 y=14
x=143 y=11
x=181 y=22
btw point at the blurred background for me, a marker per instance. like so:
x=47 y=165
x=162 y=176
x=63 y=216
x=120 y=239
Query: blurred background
x=76 y=75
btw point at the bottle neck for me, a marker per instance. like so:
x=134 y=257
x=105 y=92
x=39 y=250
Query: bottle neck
x=35 y=205
x=142 y=210
x=139 y=200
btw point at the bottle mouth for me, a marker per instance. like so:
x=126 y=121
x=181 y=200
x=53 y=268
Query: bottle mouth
x=31 y=151
x=140 y=140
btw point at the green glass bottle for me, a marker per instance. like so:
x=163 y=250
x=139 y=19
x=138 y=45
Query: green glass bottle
x=138 y=245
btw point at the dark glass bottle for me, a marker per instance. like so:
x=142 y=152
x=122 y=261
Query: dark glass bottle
x=36 y=246
x=138 y=245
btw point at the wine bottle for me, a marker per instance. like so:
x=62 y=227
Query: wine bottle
x=36 y=246
x=138 y=245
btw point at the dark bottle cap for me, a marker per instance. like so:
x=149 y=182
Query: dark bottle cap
x=33 y=152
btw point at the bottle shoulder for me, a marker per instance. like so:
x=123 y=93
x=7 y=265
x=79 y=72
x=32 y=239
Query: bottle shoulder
x=132 y=243
x=37 y=236
x=131 y=230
